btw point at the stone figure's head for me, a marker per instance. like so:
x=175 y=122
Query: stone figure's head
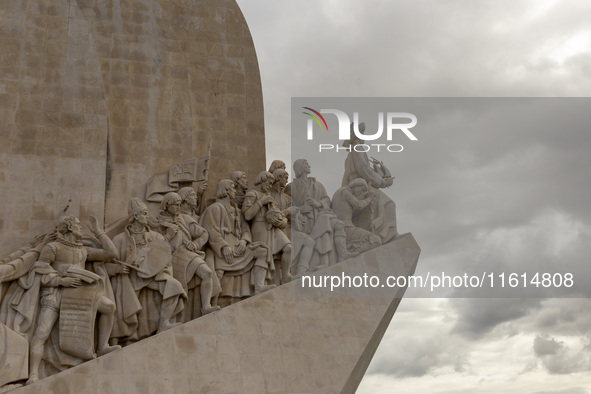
x=226 y=188
x=358 y=186
x=301 y=167
x=171 y=203
x=240 y=179
x=264 y=180
x=188 y=196
x=281 y=176
x=276 y=164
x=69 y=224
x=137 y=211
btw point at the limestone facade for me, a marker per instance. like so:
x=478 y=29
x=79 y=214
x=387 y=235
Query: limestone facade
x=95 y=94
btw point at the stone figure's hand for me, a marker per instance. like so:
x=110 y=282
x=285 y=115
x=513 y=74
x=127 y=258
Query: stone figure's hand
x=314 y=203
x=201 y=188
x=306 y=209
x=191 y=246
x=70 y=282
x=279 y=222
x=228 y=255
x=94 y=225
x=265 y=199
x=241 y=248
x=123 y=270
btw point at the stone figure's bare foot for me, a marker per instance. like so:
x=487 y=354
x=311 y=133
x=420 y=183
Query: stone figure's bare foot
x=33 y=379
x=107 y=349
x=210 y=309
x=260 y=289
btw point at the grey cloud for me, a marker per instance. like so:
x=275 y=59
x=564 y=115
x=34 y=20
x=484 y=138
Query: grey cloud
x=478 y=317
x=546 y=346
x=558 y=358
x=416 y=357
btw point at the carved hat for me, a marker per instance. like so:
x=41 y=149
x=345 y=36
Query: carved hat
x=136 y=205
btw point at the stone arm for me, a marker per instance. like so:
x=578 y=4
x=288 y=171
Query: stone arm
x=354 y=202
x=363 y=167
x=114 y=268
x=199 y=235
x=252 y=205
x=19 y=266
x=107 y=252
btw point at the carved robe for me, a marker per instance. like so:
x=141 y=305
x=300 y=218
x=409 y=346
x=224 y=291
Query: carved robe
x=261 y=230
x=138 y=297
x=226 y=227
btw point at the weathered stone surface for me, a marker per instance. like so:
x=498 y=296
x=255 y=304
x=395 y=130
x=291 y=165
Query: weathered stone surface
x=283 y=341
x=98 y=95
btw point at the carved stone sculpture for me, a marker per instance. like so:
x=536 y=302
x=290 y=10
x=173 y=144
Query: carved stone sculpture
x=240 y=263
x=266 y=222
x=302 y=243
x=72 y=294
x=146 y=293
x=310 y=197
x=241 y=185
x=380 y=216
x=187 y=239
x=191 y=200
x=346 y=201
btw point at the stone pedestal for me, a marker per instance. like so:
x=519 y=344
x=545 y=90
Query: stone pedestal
x=286 y=340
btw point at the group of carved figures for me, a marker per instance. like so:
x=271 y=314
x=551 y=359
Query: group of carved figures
x=71 y=297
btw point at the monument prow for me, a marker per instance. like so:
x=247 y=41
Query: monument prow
x=286 y=340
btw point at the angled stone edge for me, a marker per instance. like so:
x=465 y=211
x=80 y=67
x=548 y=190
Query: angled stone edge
x=281 y=341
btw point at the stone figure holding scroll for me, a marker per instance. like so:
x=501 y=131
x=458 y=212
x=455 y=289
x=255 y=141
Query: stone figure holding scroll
x=241 y=264
x=267 y=220
x=146 y=293
x=187 y=238
x=73 y=294
x=348 y=200
x=380 y=216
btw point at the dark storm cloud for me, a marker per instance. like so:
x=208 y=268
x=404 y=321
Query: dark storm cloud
x=559 y=358
x=478 y=317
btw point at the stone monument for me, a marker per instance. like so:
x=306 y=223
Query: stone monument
x=131 y=109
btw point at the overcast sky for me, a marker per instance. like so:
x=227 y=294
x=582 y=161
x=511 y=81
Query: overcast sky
x=484 y=195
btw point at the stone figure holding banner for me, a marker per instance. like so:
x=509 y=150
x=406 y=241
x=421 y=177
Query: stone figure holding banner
x=73 y=294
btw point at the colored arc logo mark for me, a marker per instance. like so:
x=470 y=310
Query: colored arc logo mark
x=315 y=118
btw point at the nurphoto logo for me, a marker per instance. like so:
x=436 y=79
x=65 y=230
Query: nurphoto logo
x=346 y=128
